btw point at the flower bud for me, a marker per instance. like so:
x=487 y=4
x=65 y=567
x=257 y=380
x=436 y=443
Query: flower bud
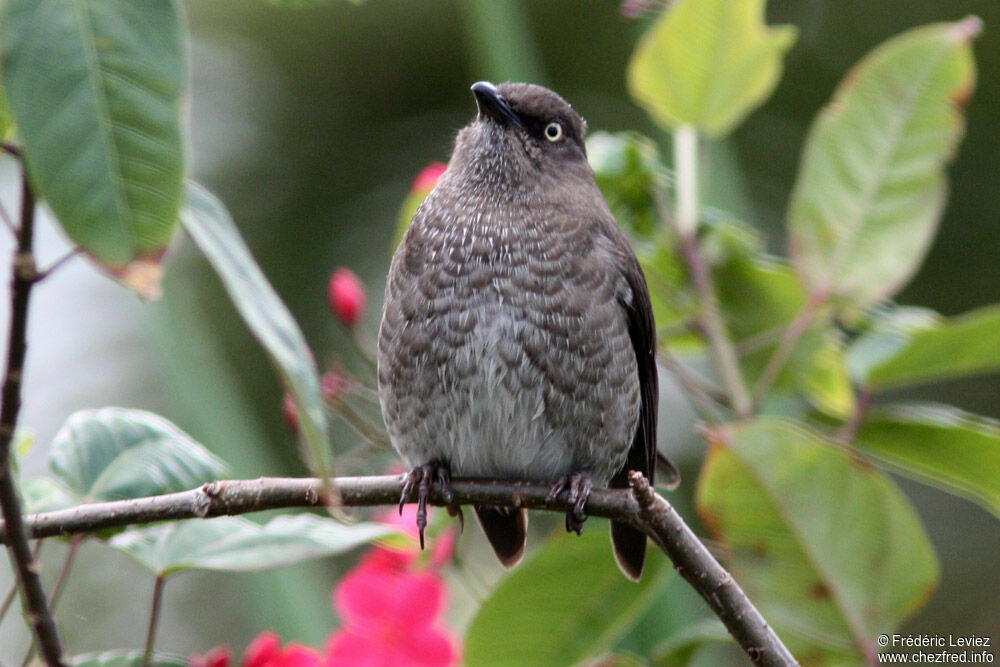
x=347 y=296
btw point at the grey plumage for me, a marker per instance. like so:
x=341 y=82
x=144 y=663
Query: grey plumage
x=517 y=336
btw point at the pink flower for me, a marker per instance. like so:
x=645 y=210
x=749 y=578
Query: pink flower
x=347 y=296
x=390 y=612
x=265 y=651
x=428 y=177
x=217 y=657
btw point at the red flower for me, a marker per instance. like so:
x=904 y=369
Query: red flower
x=390 y=612
x=347 y=296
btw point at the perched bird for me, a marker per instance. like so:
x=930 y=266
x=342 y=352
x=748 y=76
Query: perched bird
x=517 y=337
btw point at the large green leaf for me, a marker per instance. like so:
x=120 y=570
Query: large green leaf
x=941 y=445
x=114 y=454
x=871 y=186
x=209 y=224
x=908 y=349
x=97 y=89
x=236 y=544
x=830 y=551
x=567 y=603
x=708 y=63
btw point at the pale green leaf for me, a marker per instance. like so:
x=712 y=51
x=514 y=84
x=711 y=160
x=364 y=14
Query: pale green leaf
x=568 y=602
x=708 y=63
x=888 y=331
x=44 y=494
x=871 y=185
x=115 y=454
x=907 y=351
x=939 y=444
x=831 y=551
x=97 y=90
x=127 y=658
x=235 y=544
x=209 y=224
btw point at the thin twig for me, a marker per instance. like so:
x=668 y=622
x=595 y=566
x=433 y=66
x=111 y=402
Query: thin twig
x=799 y=325
x=12 y=593
x=154 y=619
x=655 y=517
x=7 y=221
x=718 y=588
x=57 y=591
x=45 y=273
x=863 y=401
x=715 y=330
x=359 y=423
x=24 y=275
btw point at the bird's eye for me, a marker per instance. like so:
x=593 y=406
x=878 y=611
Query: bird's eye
x=553 y=132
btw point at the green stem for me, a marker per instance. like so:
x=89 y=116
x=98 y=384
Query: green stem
x=500 y=41
x=686 y=223
x=154 y=619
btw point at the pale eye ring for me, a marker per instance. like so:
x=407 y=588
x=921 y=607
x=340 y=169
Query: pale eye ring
x=553 y=132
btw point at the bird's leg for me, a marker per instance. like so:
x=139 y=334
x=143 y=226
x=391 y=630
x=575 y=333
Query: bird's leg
x=421 y=478
x=578 y=485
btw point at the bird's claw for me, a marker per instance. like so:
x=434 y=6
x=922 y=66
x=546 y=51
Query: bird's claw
x=420 y=479
x=578 y=486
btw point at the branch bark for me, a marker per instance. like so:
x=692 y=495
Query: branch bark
x=24 y=277
x=641 y=506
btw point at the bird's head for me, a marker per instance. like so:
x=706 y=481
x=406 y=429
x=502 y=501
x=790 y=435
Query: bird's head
x=522 y=133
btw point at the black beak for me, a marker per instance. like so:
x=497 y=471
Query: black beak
x=491 y=103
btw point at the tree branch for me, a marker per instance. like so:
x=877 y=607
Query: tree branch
x=641 y=506
x=24 y=277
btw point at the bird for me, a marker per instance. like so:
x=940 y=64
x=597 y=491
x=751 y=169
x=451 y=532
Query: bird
x=517 y=339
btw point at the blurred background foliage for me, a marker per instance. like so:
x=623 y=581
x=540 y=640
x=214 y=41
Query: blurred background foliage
x=310 y=121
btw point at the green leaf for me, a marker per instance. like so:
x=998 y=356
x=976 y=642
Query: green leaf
x=44 y=494
x=889 y=328
x=939 y=444
x=708 y=63
x=97 y=89
x=829 y=550
x=209 y=224
x=628 y=168
x=235 y=544
x=911 y=350
x=680 y=649
x=127 y=658
x=115 y=454
x=871 y=186
x=7 y=126
x=827 y=382
x=567 y=603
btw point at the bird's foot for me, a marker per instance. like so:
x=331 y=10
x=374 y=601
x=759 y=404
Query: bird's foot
x=420 y=479
x=578 y=486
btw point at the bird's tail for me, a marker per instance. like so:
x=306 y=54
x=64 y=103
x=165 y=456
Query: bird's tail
x=507 y=531
x=629 y=545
